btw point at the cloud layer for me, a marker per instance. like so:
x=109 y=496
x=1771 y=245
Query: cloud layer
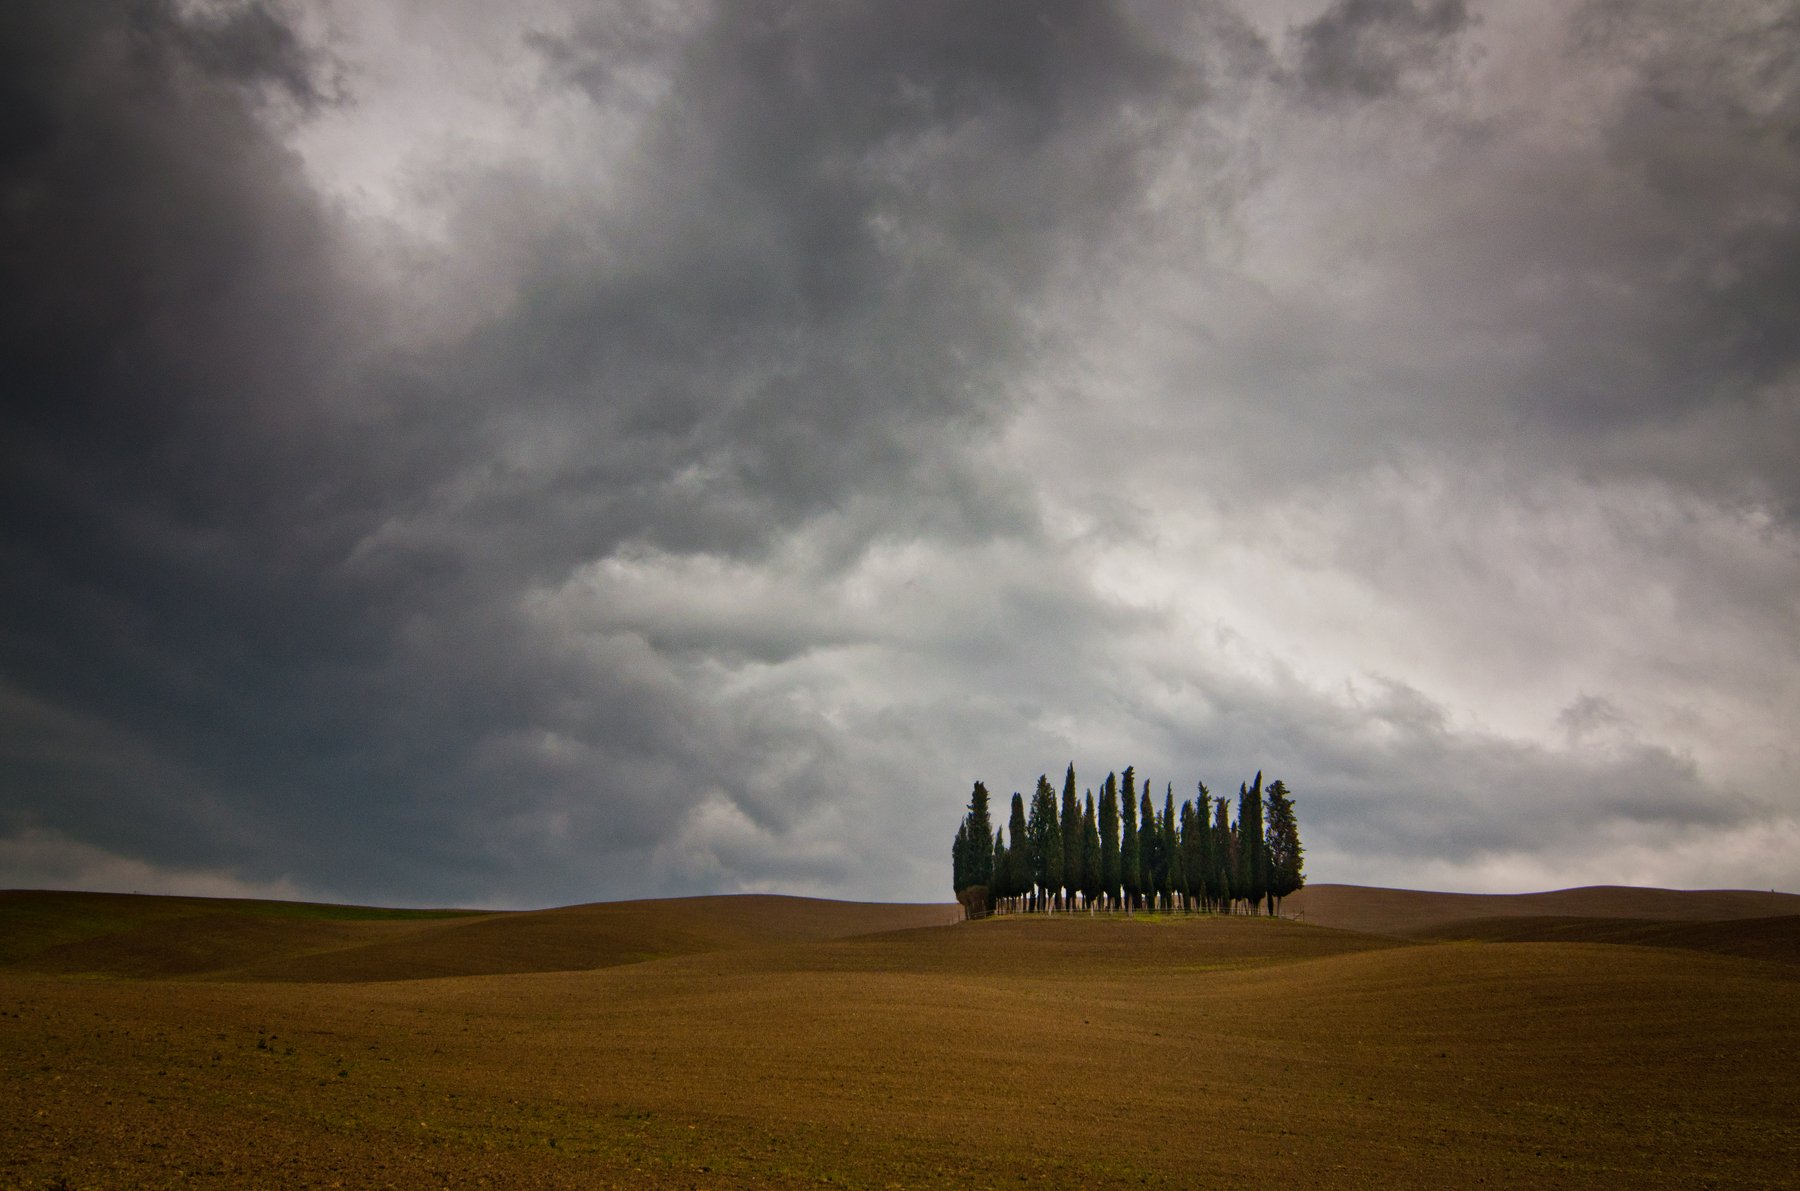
x=520 y=457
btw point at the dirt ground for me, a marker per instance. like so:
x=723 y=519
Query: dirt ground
x=1068 y=1052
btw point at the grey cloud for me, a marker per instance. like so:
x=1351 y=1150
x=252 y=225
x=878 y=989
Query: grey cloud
x=253 y=44
x=1366 y=48
x=1579 y=253
x=1389 y=776
x=818 y=272
x=764 y=496
x=297 y=567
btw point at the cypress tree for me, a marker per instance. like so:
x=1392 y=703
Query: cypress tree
x=1046 y=841
x=1090 y=853
x=1240 y=859
x=981 y=831
x=1259 y=869
x=1071 y=839
x=997 y=893
x=1287 y=859
x=1193 y=872
x=1224 y=854
x=1172 y=879
x=959 y=859
x=1109 y=841
x=1130 y=870
x=1018 y=858
x=1171 y=843
x=1253 y=866
x=1203 y=876
x=1149 y=843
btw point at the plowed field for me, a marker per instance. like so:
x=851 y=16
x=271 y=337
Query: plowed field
x=781 y=1042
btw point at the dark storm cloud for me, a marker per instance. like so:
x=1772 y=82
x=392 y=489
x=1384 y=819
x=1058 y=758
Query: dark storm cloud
x=292 y=567
x=252 y=45
x=1576 y=248
x=750 y=423
x=168 y=319
x=1676 y=255
x=820 y=265
x=1366 y=48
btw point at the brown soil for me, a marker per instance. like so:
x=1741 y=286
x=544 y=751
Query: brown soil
x=1062 y=1052
x=1402 y=911
x=149 y=937
x=1774 y=939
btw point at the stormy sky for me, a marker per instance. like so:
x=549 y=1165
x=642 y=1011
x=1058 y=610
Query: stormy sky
x=525 y=454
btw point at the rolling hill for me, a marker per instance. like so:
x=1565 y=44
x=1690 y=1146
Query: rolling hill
x=163 y=937
x=1406 y=911
x=780 y=1042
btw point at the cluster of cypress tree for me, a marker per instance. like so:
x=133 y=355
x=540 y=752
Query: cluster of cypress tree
x=1127 y=855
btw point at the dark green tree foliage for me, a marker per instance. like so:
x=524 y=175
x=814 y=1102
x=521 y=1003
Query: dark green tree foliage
x=972 y=856
x=1172 y=878
x=1287 y=859
x=1109 y=841
x=1130 y=866
x=981 y=830
x=959 y=859
x=1118 y=850
x=997 y=870
x=1018 y=857
x=1090 y=852
x=1149 y=844
x=1192 y=874
x=1045 y=831
x=1071 y=839
x=1199 y=846
x=1253 y=864
x=1224 y=853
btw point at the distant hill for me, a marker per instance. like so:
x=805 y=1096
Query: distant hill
x=160 y=938
x=1776 y=939
x=1412 y=912
x=128 y=935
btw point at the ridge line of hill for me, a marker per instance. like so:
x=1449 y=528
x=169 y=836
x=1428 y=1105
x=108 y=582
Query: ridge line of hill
x=154 y=937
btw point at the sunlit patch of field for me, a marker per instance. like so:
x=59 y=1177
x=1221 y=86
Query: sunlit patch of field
x=1060 y=1052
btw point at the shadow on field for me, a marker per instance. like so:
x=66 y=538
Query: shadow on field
x=782 y=1042
x=163 y=938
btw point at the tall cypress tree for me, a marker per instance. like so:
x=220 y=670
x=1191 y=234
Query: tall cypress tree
x=959 y=859
x=997 y=892
x=981 y=833
x=1149 y=843
x=1253 y=865
x=1224 y=854
x=1130 y=868
x=1193 y=872
x=1172 y=879
x=1046 y=841
x=1018 y=857
x=1204 y=876
x=1090 y=853
x=1287 y=859
x=1109 y=841
x=1071 y=839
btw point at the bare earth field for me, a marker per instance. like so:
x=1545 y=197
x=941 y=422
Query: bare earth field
x=735 y=1042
